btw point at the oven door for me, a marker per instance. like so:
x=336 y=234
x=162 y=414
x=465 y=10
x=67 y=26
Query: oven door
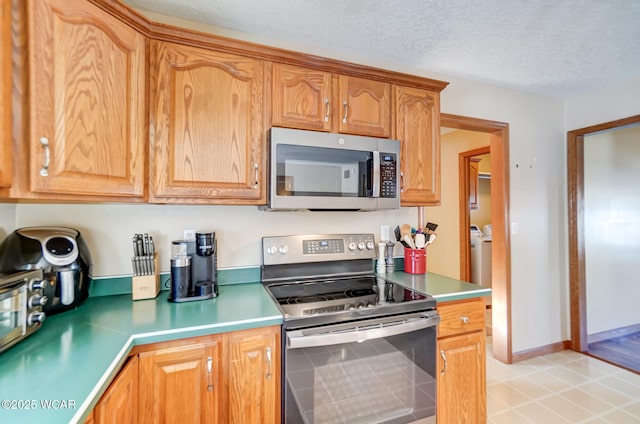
x=13 y=305
x=381 y=370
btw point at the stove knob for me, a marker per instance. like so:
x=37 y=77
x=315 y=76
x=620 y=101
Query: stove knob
x=370 y=245
x=351 y=307
x=37 y=284
x=360 y=305
x=283 y=249
x=369 y=305
x=37 y=301
x=361 y=246
x=272 y=250
x=36 y=318
x=352 y=246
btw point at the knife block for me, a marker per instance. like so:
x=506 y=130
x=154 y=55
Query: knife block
x=146 y=286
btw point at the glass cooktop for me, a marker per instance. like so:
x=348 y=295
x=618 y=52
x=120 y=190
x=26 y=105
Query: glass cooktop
x=331 y=296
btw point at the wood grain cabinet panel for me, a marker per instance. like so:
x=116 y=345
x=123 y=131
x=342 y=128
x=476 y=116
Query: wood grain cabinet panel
x=6 y=156
x=474 y=183
x=365 y=107
x=301 y=98
x=254 y=376
x=181 y=384
x=417 y=117
x=208 y=136
x=461 y=379
x=87 y=101
x=316 y=100
x=119 y=404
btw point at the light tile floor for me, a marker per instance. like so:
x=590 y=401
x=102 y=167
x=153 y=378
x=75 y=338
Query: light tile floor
x=563 y=387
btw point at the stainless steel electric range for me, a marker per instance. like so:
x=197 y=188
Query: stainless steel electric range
x=356 y=347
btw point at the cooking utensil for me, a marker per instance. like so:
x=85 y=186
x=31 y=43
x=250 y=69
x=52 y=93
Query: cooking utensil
x=432 y=238
x=431 y=227
x=407 y=238
x=420 y=241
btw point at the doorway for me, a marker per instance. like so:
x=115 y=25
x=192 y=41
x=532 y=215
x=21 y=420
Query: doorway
x=501 y=245
x=617 y=221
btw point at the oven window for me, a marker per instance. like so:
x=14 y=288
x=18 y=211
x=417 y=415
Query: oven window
x=385 y=380
x=325 y=172
x=12 y=314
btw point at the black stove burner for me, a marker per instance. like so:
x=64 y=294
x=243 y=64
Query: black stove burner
x=323 y=290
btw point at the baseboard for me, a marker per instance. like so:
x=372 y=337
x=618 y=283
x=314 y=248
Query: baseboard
x=612 y=334
x=542 y=350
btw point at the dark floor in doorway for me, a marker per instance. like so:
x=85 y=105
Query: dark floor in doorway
x=623 y=351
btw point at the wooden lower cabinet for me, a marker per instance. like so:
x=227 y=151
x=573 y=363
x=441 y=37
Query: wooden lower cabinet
x=461 y=380
x=119 y=404
x=253 y=373
x=181 y=384
x=222 y=378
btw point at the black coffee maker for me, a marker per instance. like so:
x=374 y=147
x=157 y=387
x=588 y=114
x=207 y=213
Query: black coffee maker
x=194 y=273
x=63 y=256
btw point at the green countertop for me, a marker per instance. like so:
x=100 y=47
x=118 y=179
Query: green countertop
x=442 y=288
x=57 y=374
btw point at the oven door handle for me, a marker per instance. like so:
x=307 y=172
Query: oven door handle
x=366 y=330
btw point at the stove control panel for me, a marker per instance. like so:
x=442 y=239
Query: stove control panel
x=317 y=248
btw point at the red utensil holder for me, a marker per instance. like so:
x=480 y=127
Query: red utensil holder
x=415 y=261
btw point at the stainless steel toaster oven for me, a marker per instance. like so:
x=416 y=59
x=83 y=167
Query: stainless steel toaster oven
x=21 y=302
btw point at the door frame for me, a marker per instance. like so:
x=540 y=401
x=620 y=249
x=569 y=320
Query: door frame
x=577 y=263
x=464 y=188
x=501 y=236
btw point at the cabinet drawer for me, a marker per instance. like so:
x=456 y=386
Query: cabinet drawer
x=461 y=317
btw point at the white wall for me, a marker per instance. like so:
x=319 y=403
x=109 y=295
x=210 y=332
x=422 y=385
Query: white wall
x=7 y=219
x=612 y=228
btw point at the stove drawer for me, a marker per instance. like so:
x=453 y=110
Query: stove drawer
x=461 y=317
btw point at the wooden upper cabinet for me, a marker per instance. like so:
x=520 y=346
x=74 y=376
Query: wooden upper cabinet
x=87 y=101
x=418 y=129
x=181 y=384
x=365 y=107
x=207 y=126
x=301 y=98
x=254 y=376
x=316 y=100
x=119 y=404
x=6 y=156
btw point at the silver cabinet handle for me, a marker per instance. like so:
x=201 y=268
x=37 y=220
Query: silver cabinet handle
x=401 y=182
x=346 y=111
x=464 y=319
x=209 y=366
x=444 y=360
x=327 y=109
x=255 y=167
x=44 y=171
x=268 y=352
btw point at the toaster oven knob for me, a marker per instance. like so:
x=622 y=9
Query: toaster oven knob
x=37 y=284
x=37 y=301
x=36 y=318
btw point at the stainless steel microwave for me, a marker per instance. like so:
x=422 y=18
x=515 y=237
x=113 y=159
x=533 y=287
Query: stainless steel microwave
x=314 y=170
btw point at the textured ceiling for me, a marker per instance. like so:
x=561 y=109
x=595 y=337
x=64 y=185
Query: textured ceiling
x=551 y=47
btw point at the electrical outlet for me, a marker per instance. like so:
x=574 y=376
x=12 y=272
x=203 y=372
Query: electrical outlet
x=189 y=234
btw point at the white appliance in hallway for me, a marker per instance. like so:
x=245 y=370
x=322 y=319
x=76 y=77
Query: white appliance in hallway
x=481 y=256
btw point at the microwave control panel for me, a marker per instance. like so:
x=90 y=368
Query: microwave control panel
x=388 y=178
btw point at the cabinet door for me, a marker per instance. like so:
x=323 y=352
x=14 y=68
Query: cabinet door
x=461 y=382
x=207 y=126
x=301 y=98
x=6 y=162
x=365 y=107
x=418 y=129
x=87 y=102
x=254 y=376
x=119 y=404
x=181 y=384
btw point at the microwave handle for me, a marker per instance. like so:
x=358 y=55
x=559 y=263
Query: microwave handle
x=375 y=174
